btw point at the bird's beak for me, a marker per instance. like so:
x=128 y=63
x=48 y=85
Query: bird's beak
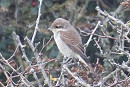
x=50 y=29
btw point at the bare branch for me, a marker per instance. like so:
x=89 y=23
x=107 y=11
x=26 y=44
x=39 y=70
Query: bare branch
x=26 y=58
x=39 y=62
x=90 y=38
x=37 y=21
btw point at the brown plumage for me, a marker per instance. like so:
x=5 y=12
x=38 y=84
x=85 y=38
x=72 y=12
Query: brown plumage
x=69 y=41
x=69 y=36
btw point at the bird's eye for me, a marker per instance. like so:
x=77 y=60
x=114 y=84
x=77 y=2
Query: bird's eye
x=59 y=26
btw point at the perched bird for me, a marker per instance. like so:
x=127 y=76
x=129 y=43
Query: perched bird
x=69 y=41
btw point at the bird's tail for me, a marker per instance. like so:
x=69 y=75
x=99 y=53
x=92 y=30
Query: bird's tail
x=86 y=62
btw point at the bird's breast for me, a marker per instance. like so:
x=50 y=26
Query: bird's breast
x=64 y=49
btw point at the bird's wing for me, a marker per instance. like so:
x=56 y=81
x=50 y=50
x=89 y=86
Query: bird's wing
x=72 y=40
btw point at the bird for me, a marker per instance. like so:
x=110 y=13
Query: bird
x=68 y=41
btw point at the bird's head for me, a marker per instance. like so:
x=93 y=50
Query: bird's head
x=59 y=24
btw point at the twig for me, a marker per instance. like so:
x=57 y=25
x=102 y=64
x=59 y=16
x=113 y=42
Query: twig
x=101 y=36
x=6 y=74
x=98 y=46
x=110 y=75
x=123 y=66
x=117 y=82
x=37 y=21
x=46 y=44
x=80 y=80
x=24 y=80
x=14 y=53
x=90 y=38
x=2 y=84
x=39 y=62
x=26 y=58
x=111 y=17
